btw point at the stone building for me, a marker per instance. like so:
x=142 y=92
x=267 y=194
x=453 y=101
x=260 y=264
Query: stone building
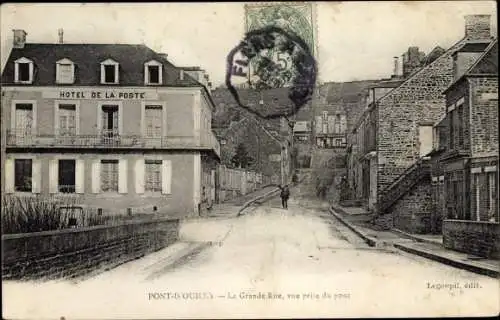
x=470 y=158
x=115 y=127
x=403 y=120
x=362 y=146
x=336 y=106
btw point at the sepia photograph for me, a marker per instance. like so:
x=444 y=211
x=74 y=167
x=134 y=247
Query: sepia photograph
x=223 y=160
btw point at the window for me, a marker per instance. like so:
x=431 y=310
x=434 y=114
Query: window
x=65 y=71
x=460 y=129
x=23 y=72
x=66 y=176
x=153 y=121
x=451 y=115
x=152 y=72
x=492 y=197
x=67 y=120
x=331 y=124
x=153 y=175
x=109 y=175
x=484 y=194
x=109 y=121
x=338 y=124
x=425 y=139
x=23 y=120
x=23 y=175
x=109 y=72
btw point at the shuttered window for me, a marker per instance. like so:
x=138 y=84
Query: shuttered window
x=24 y=119
x=153 y=121
x=109 y=175
x=67 y=119
x=153 y=175
x=65 y=73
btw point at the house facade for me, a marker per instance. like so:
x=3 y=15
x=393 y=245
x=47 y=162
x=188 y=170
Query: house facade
x=115 y=127
x=470 y=159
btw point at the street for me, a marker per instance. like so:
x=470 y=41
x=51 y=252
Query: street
x=269 y=262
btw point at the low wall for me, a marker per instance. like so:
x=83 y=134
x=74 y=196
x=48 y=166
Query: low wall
x=474 y=237
x=72 y=253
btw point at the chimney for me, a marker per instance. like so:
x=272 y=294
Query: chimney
x=61 y=33
x=396 y=67
x=19 y=38
x=477 y=26
x=163 y=55
x=181 y=76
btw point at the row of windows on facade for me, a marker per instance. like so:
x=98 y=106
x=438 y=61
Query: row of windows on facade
x=67 y=119
x=65 y=72
x=480 y=204
x=457 y=126
x=67 y=176
x=331 y=124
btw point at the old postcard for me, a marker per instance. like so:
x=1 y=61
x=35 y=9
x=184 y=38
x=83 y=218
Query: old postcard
x=249 y=160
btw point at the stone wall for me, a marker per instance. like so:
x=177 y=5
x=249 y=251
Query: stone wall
x=76 y=252
x=412 y=213
x=477 y=238
x=484 y=120
x=418 y=100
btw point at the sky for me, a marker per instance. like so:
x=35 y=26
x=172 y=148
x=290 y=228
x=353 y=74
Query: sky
x=356 y=40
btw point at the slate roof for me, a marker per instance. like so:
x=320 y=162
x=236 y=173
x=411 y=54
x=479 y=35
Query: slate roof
x=339 y=92
x=485 y=65
x=87 y=59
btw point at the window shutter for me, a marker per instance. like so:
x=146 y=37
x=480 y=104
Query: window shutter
x=9 y=175
x=166 y=176
x=164 y=121
x=96 y=176
x=79 y=176
x=139 y=176
x=53 y=175
x=36 y=176
x=56 y=119
x=120 y=119
x=122 y=176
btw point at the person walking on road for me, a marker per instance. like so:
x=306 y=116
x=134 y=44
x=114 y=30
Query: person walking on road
x=284 y=195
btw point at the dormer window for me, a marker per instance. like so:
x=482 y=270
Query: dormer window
x=65 y=71
x=109 y=72
x=153 y=72
x=23 y=72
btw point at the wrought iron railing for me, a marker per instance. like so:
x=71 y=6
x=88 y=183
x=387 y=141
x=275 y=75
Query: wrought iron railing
x=111 y=139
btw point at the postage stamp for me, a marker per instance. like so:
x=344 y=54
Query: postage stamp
x=271 y=58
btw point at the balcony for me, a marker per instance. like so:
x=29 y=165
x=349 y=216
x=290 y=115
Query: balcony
x=111 y=140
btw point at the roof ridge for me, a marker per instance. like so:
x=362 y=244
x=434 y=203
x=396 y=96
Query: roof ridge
x=453 y=48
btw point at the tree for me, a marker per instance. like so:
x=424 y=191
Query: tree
x=241 y=158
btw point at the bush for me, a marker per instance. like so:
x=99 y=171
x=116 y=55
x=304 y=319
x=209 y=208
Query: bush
x=41 y=213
